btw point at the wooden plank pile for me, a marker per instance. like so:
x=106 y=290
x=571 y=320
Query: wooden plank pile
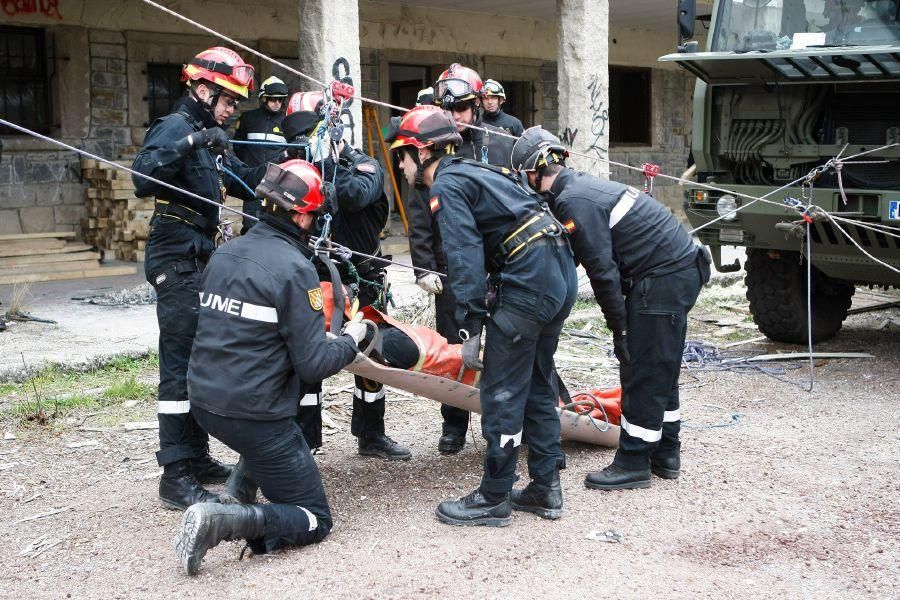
x=32 y=257
x=117 y=221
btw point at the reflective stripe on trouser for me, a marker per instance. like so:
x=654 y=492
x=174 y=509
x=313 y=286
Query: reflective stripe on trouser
x=176 y=310
x=657 y=311
x=518 y=388
x=309 y=414
x=279 y=460
x=368 y=408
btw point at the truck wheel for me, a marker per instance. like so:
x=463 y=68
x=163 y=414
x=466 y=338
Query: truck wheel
x=776 y=289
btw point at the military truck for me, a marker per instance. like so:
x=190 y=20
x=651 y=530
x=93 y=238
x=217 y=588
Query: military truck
x=784 y=86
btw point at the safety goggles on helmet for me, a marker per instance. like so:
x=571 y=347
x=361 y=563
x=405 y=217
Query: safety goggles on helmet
x=493 y=88
x=242 y=74
x=294 y=185
x=273 y=88
x=455 y=89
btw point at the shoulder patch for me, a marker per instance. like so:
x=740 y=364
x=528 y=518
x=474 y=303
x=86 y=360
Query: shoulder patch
x=435 y=204
x=315 y=298
x=570 y=225
x=365 y=167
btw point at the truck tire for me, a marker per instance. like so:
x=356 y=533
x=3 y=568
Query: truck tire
x=776 y=289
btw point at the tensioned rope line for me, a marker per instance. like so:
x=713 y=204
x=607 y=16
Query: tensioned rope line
x=752 y=199
x=335 y=248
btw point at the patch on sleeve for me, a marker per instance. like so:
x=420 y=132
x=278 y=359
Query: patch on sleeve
x=569 y=225
x=315 y=299
x=435 y=204
x=365 y=167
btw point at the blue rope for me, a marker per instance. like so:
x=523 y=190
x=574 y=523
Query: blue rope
x=238 y=179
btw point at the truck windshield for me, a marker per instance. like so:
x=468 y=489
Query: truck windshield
x=748 y=25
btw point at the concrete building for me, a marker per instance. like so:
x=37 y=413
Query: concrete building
x=94 y=73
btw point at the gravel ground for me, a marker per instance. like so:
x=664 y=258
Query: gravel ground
x=798 y=498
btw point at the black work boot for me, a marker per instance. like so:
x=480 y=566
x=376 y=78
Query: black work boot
x=383 y=446
x=240 y=488
x=209 y=470
x=205 y=525
x=666 y=466
x=615 y=477
x=450 y=443
x=475 y=509
x=179 y=489
x=543 y=499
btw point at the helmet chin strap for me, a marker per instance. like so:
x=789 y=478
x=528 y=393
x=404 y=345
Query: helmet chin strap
x=209 y=105
x=421 y=167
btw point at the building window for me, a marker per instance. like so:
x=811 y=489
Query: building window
x=24 y=92
x=629 y=106
x=164 y=88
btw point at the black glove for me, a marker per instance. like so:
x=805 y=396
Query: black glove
x=471 y=353
x=620 y=348
x=214 y=138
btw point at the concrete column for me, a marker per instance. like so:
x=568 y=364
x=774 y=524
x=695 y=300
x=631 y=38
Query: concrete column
x=329 y=50
x=583 y=74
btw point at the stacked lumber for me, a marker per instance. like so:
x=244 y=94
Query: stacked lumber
x=117 y=221
x=32 y=257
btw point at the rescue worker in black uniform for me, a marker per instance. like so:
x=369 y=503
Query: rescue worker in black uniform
x=459 y=90
x=261 y=125
x=499 y=231
x=181 y=149
x=260 y=336
x=631 y=246
x=494 y=99
x=362 y=212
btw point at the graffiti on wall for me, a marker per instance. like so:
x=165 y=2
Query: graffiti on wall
x=340 y=70
x=568 y=137
x=48 y=8
x=599 y=117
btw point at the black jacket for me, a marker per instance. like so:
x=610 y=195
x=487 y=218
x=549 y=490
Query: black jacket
x=261 y=329
x=195 y=171
x=619 y=235
x=362 y=204
x=506 y=122
x=424 y=238
x=480 y=207
x=259 y=125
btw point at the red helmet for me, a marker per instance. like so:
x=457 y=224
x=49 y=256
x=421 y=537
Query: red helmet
x=426 y=126
x=457 y=84
x=294 y=185
x=222 y=67
x=306 y=102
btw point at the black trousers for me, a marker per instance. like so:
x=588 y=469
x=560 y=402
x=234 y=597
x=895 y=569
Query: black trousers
x=456 y=420
x=368 y=396
x=176 y=254
x=279 y=460
x=519 y=389
x=657 y=309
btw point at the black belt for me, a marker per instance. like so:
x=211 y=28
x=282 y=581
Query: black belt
x=170 y=208
x=537 y=227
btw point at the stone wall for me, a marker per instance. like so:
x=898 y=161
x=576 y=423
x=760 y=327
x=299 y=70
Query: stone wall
x=671 y=110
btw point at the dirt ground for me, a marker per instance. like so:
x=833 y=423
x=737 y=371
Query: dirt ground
x=783 y=493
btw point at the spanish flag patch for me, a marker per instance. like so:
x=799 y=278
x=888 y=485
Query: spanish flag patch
x=435 y=204
x=569 y=225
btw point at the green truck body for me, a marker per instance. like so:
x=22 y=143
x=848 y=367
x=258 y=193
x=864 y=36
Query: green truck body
x=784 y=86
